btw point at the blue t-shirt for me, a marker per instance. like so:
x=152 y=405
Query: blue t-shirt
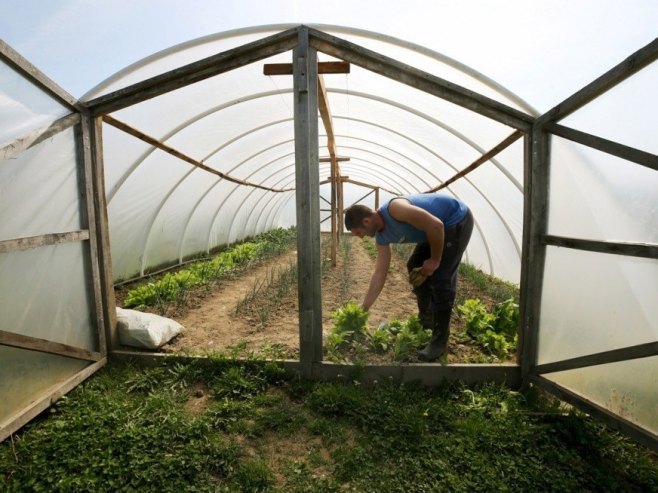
x=448 y=209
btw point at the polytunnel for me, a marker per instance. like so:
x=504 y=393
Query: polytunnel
x=227 y=136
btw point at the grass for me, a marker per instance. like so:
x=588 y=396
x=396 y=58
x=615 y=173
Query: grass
x=222 y=426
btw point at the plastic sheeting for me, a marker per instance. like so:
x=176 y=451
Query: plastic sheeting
x=163 y=210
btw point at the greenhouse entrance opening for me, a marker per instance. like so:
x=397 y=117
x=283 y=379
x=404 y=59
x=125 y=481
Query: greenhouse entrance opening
x=187 y=152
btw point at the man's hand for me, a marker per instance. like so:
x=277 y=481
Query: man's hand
x=429 y=266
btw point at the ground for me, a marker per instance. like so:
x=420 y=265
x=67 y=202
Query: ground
x=211 y=322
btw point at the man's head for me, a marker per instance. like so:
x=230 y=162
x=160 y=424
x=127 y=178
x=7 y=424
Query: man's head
x=361 y=220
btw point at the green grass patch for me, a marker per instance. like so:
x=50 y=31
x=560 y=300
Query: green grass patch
x=132 y=429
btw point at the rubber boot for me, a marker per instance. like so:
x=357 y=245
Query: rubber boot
x=440 y=333
x=424 y=300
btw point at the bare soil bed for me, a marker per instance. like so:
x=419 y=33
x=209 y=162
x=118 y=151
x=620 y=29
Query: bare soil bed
x=212 y=324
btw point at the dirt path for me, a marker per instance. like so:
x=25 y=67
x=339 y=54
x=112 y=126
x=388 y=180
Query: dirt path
x=212 y=324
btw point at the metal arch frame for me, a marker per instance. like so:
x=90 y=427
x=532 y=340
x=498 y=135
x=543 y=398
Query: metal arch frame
x=124 y=177
x=175 y=187
x=476 y=223
x=436 y=122
x=484 y=241
x=494 y=208
x=237 y=138
x=234 y=33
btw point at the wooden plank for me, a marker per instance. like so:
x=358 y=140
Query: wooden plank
x=420 y=80
x=20 y=244
x=307 y=202
x=535 y=212
x=110 y=337
x=37 y=136
x=325 y=116
x=612 y=356
x=323 y=68
x=631 y=65
x=83 y=137
x=184 y=157
x=368 y=185
x=622 y=151
x=43 y=346
x=12 y=58
x=43 y=402
x=631 y=249
x=194 y=72
x=481 y=160
x=614 y=421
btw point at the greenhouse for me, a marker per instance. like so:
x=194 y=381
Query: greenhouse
x=219 y=140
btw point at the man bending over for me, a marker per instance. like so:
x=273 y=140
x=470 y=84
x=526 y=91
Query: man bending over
x=441 y=227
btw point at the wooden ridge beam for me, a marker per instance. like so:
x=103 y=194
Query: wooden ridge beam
x=170 y=150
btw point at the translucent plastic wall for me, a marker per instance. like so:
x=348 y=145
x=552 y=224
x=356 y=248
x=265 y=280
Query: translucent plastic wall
x=45 y=291
x=594 y=302
x=163 y=210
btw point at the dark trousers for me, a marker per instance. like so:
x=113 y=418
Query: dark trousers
x=440 y=289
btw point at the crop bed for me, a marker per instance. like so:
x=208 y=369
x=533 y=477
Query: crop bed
x=251 y=307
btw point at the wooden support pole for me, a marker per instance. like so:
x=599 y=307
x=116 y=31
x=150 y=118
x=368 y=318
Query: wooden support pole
x=307 y=178
x=535 y=223
x=103 y=250
x=481 y=160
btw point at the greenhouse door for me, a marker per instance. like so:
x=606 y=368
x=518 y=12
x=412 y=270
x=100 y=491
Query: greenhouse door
x=53 y=311
x=594 y=264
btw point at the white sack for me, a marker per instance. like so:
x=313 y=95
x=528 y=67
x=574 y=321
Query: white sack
x=145 y=330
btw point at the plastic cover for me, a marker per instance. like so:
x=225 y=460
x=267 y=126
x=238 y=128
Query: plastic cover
x=163 y=210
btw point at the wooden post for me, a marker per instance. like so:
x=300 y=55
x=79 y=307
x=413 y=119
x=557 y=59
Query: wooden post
x=102 y=232
x=376 y=198
x=535 y=220
x=307 y=179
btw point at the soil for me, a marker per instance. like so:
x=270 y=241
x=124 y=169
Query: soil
x=211 y=323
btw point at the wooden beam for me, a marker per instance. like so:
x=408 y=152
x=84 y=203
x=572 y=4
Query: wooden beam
x=481 y=160
x=535 y=219
x=631 y=65
x=612 y=356
x=622 y=151
x=37 y=136
x=420 y=80
x=20 y=244
x=305 y=88
x=194 y=72
x=323 y=68
x=84 y=158
x=44 y=346
x=43 y=401
x=614 y=421
x=12 y=58
x=368 y=185
x=184 y=157
x=616 y=248
x=338 y=159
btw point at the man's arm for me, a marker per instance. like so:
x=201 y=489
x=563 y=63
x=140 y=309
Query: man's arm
x=404 y=211
x=378 y=276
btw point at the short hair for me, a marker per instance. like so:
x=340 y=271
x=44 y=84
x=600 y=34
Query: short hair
x=355 y=214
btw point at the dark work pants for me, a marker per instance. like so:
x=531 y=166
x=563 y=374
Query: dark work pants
x=441 y=288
